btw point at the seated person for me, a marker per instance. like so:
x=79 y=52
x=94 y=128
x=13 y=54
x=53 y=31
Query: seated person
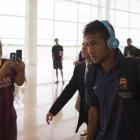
x=134 y=53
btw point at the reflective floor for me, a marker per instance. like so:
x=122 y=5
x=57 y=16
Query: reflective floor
x=34 y=99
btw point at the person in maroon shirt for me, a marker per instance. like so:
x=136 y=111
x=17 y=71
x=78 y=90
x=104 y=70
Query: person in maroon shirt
x=10 y=73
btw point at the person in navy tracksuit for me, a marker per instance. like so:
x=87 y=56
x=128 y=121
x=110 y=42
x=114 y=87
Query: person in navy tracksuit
x=110 y=93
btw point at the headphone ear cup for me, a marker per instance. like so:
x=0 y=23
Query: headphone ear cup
x=113 y=43
x=108 y=43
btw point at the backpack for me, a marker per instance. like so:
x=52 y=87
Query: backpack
x=131 y=64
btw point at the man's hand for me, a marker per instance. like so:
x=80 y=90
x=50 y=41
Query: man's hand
x=75 y=62
x=20 y=67
x=7 y=66
x=49 y=117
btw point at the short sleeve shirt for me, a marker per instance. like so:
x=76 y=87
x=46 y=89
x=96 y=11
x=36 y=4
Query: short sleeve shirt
x=56 y=50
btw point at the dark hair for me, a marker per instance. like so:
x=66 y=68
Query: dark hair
x=134 y=52
x=97 y=26
x=129 y=39
x=56 y=39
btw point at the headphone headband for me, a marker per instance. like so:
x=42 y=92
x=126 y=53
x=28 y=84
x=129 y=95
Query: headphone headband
x=111 y=33
x=112 y=42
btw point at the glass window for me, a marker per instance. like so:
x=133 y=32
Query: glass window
x=68 y=0
x=103 y=16
x=68 y=42
x=66 y=11
x=112 y=3
x=73 y=0
x=44 y=50
x=112 y=17
x=80 y=44
x=135 y=6
x=79 y=47
x=103 y=2
x=46 y=9
x=85 y=1
x=80 y=31
x=12 y=7
x=95 y=2
x=12 y=27
x=11 y=45
x=45 y=42
x=44 y=53
x=122 y=46
x=84 y=13
x=69 y=52
x=137 y=44
x=134 y=35
x=122 y=34
x=94 y=13
x=134 y=21
x=12 y=48
x=13 y=41
x=65 y=30
x=122 y=19
x=122 y=5
x=45 y=29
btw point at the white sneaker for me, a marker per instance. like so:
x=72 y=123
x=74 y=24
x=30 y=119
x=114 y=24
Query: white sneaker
x=84 y=133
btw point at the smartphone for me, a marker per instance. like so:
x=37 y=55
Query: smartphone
x=18 y=54
x=13 y=55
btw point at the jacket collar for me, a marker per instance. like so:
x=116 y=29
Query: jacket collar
x=119 y=59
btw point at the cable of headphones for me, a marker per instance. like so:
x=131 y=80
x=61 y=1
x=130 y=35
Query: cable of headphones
x=121 y=98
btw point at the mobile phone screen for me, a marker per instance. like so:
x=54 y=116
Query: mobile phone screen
x=12 y=55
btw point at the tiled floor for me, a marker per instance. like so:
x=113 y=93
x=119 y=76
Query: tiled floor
x=34 y=99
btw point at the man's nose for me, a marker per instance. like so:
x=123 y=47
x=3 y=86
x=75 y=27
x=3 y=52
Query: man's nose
x=89 y=50
x=84 y=47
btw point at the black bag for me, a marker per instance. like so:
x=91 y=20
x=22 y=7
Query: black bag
x=131 y=64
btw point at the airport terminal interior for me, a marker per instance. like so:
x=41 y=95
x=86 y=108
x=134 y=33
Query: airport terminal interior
x=32 y=26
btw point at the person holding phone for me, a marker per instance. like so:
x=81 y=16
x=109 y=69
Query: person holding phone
x=10 y=73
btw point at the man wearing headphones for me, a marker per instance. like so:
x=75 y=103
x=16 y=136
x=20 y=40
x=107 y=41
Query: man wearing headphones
x=112 y=104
